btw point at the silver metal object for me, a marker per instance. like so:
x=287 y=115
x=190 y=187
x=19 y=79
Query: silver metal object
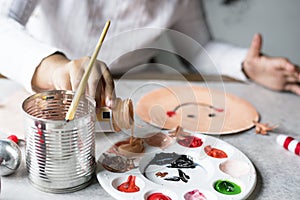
x=10 y=157
x=60 y=155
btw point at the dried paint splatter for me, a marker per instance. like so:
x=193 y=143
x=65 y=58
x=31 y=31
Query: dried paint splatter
x=161 y=174
x=117 y=164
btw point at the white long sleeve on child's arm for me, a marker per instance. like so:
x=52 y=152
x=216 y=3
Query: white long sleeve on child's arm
x=227 y=58
x=20 y=53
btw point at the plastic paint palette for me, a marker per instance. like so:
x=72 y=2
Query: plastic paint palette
x=177 y=170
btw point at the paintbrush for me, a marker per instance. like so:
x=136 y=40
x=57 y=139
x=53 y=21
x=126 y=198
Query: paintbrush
x=82 y=85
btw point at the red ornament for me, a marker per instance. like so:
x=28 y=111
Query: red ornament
x=13 y=138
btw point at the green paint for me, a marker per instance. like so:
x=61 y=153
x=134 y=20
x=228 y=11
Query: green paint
x=227 y=187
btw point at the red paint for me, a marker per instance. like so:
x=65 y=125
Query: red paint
x=129 y=186
x=214 y=152
x=13 y=138
x=287 y=142
x=190 y=141
x=158 y=196
x=171 y=113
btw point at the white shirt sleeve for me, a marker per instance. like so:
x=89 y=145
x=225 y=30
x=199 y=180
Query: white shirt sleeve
x=20 y=53
x=227 y=58
x=217 y=57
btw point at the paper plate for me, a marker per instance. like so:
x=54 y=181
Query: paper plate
x=207 y=167
x=197 y=109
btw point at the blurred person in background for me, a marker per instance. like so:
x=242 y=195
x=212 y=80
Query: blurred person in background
x=45 y=44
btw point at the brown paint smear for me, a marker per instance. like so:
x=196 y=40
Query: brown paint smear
x=160 y=140
x=134 y=147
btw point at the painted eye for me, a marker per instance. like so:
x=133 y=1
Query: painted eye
x=211 y=108
x=191 y=116
x=211 y=114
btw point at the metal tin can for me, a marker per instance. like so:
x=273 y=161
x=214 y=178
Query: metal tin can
x=60 y=155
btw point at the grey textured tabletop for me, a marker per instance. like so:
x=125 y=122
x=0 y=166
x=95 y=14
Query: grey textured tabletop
x=277 y=169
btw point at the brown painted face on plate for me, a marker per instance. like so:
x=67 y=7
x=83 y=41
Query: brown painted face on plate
x=196 y=109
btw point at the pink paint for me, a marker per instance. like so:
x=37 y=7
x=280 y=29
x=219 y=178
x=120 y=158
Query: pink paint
x=219 y=109
x=194 y=195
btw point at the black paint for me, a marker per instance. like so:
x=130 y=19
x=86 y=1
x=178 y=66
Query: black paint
x=182 y=176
